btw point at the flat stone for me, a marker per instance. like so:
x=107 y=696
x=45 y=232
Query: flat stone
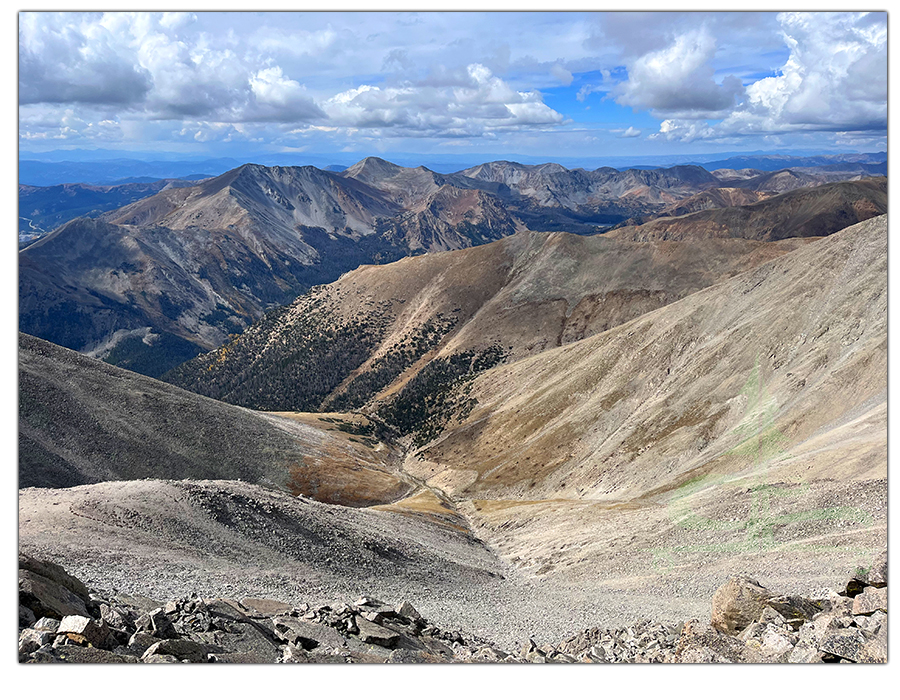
x=182 y=649
x=266 y=607
x=844 y=643
x=870 y=600
x=737 y=603
x=290 y=629
x=795 y=609
x=370 y=633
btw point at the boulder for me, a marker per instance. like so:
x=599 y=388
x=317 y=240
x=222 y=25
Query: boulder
x=874 y=651
x=876 y=574
x=795 y=609
x=370 y=633
x=84 y=630
x=48 y=598
x=870 y=600
x=844 y=643
x=738 y=603
x=55 y=573
x=26 y=616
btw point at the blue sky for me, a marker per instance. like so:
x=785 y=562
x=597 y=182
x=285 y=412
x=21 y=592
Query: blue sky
x=534 y=83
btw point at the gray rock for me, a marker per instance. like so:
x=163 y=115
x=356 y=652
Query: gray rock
x=161 y=659
x=844 y=643
x=870 y=600
x=140 y=642
x=246 y=643
x=405 y=609
x=161 y=625
x=292 y=630
x=47 y=624
x=370 y=633
x=875 y=650
x=795 y=609
x=182 y=649
x=872 y=622
x=26 y=616
x=775 y=644
x=738 y=603
x=30 y=640
x=805 y=653
x=114 y=617
x=47 y=598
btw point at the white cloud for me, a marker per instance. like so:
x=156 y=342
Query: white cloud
x=630 y=133
x=834 y=80
x=561 y=74
x=679 y=78
x=476 y=103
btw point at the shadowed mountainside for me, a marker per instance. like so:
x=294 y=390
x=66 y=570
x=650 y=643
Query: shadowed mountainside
x=816 y=211
x=83 y=421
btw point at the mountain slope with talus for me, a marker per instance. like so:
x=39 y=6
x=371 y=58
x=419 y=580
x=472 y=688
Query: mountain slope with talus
x=739 y=423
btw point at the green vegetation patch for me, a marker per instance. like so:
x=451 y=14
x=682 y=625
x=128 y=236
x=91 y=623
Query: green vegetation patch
x=440 y=392
x=392 y=364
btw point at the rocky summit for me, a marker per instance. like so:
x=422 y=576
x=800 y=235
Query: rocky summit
x=62 y=621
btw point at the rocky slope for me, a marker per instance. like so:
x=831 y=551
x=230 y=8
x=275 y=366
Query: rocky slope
x=61 y=621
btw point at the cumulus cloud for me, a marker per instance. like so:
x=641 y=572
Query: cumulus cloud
x=679 y=78
x=630 y=133
x=834 y=80
x=450 y=105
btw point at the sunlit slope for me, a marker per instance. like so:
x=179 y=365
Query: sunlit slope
x=763 y=375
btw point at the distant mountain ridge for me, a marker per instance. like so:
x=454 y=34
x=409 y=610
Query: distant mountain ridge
x=179 y=272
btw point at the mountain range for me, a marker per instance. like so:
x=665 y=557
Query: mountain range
x=153 y=283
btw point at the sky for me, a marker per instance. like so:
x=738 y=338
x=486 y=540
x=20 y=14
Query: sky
x=534 y=83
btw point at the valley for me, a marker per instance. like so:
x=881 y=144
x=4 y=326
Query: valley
x=527 y=434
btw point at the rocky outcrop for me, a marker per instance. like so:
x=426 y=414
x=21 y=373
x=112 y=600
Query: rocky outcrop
x=835 y=628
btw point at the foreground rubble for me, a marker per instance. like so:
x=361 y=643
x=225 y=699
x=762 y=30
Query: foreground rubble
x=60 y=620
